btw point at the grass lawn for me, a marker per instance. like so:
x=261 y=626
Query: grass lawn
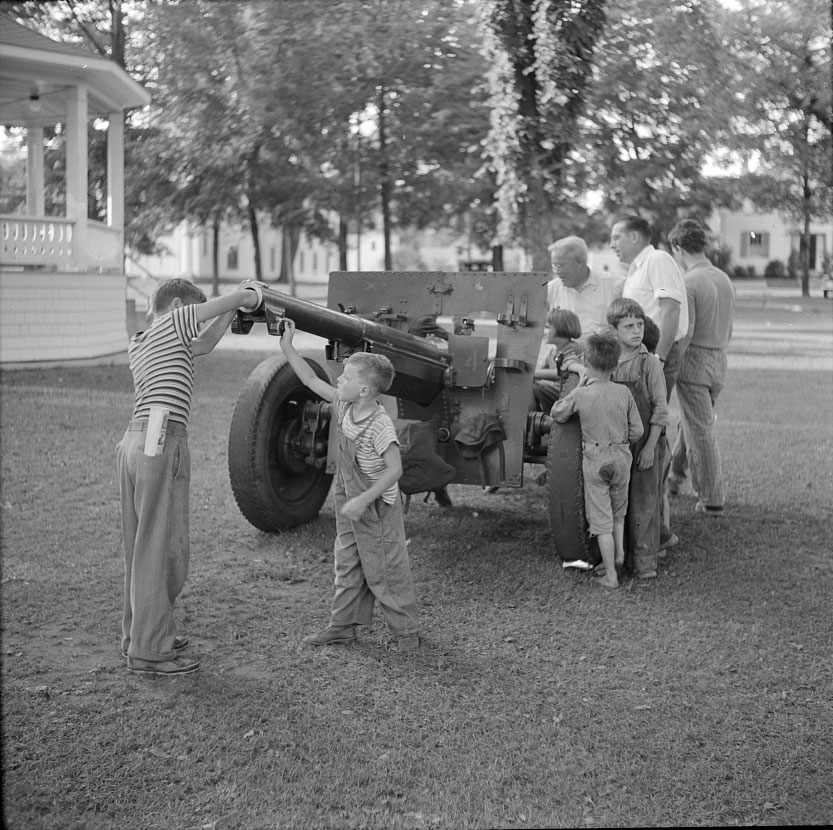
x=536 y=700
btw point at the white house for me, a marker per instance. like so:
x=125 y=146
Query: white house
x=62 y=280
x=756 y=239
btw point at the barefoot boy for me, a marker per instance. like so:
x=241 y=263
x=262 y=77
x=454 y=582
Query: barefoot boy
x=371 y=557
x=609 y=422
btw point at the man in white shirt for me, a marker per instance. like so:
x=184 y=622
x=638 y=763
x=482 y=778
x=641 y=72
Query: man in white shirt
x=655 y=282
x=578 y=288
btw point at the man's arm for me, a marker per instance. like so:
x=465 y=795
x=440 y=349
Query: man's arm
x=301 y=368
x=667 y=321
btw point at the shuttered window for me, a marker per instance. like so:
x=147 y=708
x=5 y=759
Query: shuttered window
x=754 y=243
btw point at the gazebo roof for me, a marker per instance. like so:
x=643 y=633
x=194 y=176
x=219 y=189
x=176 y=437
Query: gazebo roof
x=35 y=73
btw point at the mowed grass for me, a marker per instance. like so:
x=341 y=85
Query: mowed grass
x=536 y=700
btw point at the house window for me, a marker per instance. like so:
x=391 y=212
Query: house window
x=272 y=259
x=232 y=258
x=754 y=243
x=205 y=244
x=314 y=262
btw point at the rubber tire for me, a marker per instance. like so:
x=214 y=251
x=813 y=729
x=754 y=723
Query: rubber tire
x=565 y=495
x=274 y=490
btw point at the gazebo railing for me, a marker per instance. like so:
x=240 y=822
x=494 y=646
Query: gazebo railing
x=29 y=240
x=56 y=242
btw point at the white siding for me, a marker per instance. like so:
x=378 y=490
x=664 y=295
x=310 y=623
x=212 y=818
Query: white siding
x=49 y=318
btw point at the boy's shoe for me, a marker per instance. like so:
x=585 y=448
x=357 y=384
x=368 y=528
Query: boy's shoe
x=179 y=644
x=708 y=509
x=332 y=634
x=408 y=642
x=647 y=575
x=671 y=542
x=179 y=665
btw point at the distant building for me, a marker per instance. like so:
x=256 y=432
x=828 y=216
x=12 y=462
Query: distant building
x=757 y=238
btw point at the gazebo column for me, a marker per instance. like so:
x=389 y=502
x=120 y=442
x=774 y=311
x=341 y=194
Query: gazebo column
x=115 y=170
x=34 y=172
x=76 y=167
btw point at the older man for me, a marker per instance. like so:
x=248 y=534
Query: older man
x=711 y=297
x=655 y=282
x=578 y=288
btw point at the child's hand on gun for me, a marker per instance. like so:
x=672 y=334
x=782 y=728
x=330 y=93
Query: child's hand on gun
x=288 y=332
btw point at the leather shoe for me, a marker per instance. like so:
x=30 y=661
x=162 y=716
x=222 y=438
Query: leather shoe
x=179 y=644
x=179 y=665
x=332 y=634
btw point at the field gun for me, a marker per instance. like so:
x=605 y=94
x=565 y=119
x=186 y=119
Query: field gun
x=464 y=346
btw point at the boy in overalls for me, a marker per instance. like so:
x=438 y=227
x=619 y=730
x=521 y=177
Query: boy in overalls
x=371 y=557
x=641 y=372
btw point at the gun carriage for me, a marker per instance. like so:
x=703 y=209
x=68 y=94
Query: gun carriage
x=464 y=346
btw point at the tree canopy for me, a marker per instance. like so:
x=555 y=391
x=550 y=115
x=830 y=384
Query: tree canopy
x=502 y=117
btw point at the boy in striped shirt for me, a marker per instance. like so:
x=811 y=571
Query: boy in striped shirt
x=371 y=556
x=154 y=488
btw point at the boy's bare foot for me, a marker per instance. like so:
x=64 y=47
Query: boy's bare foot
x=607 y=582
x=619 y=562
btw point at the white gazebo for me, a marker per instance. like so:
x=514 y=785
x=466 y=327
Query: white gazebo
x=62 y=282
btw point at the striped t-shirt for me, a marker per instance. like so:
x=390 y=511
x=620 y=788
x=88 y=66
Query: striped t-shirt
x=371 y=445
x=162 y=364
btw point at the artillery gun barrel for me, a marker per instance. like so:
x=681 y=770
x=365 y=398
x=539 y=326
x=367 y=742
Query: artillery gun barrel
x=422 y=370
x=348 y=329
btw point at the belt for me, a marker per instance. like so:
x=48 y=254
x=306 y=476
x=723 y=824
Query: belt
x=605 y=444
x=173 y=427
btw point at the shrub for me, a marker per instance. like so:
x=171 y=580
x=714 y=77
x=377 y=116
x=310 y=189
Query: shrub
x=775 y=270
x=741 y=272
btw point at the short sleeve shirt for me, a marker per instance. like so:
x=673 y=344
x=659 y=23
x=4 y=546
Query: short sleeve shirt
x=162 y=364
x=371 y=443
x=589 y=302
x=654 y=276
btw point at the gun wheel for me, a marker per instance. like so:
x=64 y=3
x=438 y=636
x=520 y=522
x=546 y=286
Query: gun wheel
x=273 y=486
x=565 y=495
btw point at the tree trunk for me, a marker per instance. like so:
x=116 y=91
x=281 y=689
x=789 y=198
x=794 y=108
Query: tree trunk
x=807 y=208
x=342 y=243
x=497 y=257
x=215 y=256
x=255 y=240
x=537 y=224
x=290 y=234
x=384 y=180
x=117 y=32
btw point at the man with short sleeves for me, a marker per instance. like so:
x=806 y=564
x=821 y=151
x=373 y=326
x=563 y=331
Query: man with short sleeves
x=655 y=282
x=711 y=297
x=578 y=288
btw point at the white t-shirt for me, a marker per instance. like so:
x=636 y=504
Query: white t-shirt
x=653 y=276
